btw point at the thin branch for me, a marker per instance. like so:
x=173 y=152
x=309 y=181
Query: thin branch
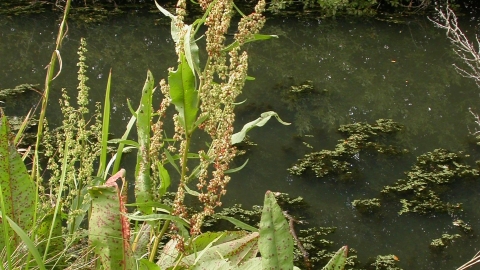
x=468 y=51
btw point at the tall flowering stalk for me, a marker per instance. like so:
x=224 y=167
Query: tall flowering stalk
x=213 y=91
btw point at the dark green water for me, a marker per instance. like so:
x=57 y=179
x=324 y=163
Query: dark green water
x=364 y=70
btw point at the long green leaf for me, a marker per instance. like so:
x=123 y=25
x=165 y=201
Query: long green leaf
x=183 y=94
x=105 y=128
x=276 y=243
x=262 y=120
x=27 y=241
x=240 y=224
x=143 y=183
x=237 y=169
x=18 y=190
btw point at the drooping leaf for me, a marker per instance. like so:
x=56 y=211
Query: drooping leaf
x=262 y=120
x=143 y=183
x=17 y=188
x=174 y=29
x=337 y=262
x=108 y=229
x=191 y=51
x=276 y=242
x=237 y=169
x=184 y=95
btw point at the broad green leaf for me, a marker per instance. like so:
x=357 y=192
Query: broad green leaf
x=168 y=255
x=237 y=251
x=276 y=243
x=252 y=264
x=255 y=38
x=143 y=183
x=200 y=255
x=218 y=264
x=183 y=94
x=17 y=188
x=240 y=224
x=201 y=242
x=108 y=229
x=338 y=260
x=259 y=122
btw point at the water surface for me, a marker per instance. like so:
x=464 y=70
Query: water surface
x=362 y=70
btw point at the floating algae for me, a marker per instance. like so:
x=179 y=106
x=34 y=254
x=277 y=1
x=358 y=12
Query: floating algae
x=19 y=89
x=440 y=244
x=339 y=161
x=367 y=205
x=427 y=179
x=384 y=262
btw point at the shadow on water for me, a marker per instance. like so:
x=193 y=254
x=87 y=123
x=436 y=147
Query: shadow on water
x=360 y=70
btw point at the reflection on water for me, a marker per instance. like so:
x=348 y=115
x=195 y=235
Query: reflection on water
x=360 y=70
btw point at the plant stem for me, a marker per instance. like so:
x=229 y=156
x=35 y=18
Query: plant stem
x=35 y=175
x=157 y=240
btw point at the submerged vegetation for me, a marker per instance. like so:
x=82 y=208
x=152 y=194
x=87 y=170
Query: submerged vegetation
x=360 y=136
x=427 y=179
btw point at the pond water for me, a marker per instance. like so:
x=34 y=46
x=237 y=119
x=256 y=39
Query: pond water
x=362 y=70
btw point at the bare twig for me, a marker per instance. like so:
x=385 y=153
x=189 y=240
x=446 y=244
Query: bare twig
x=306 y=258
x=472 y=262
x=468 y=51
